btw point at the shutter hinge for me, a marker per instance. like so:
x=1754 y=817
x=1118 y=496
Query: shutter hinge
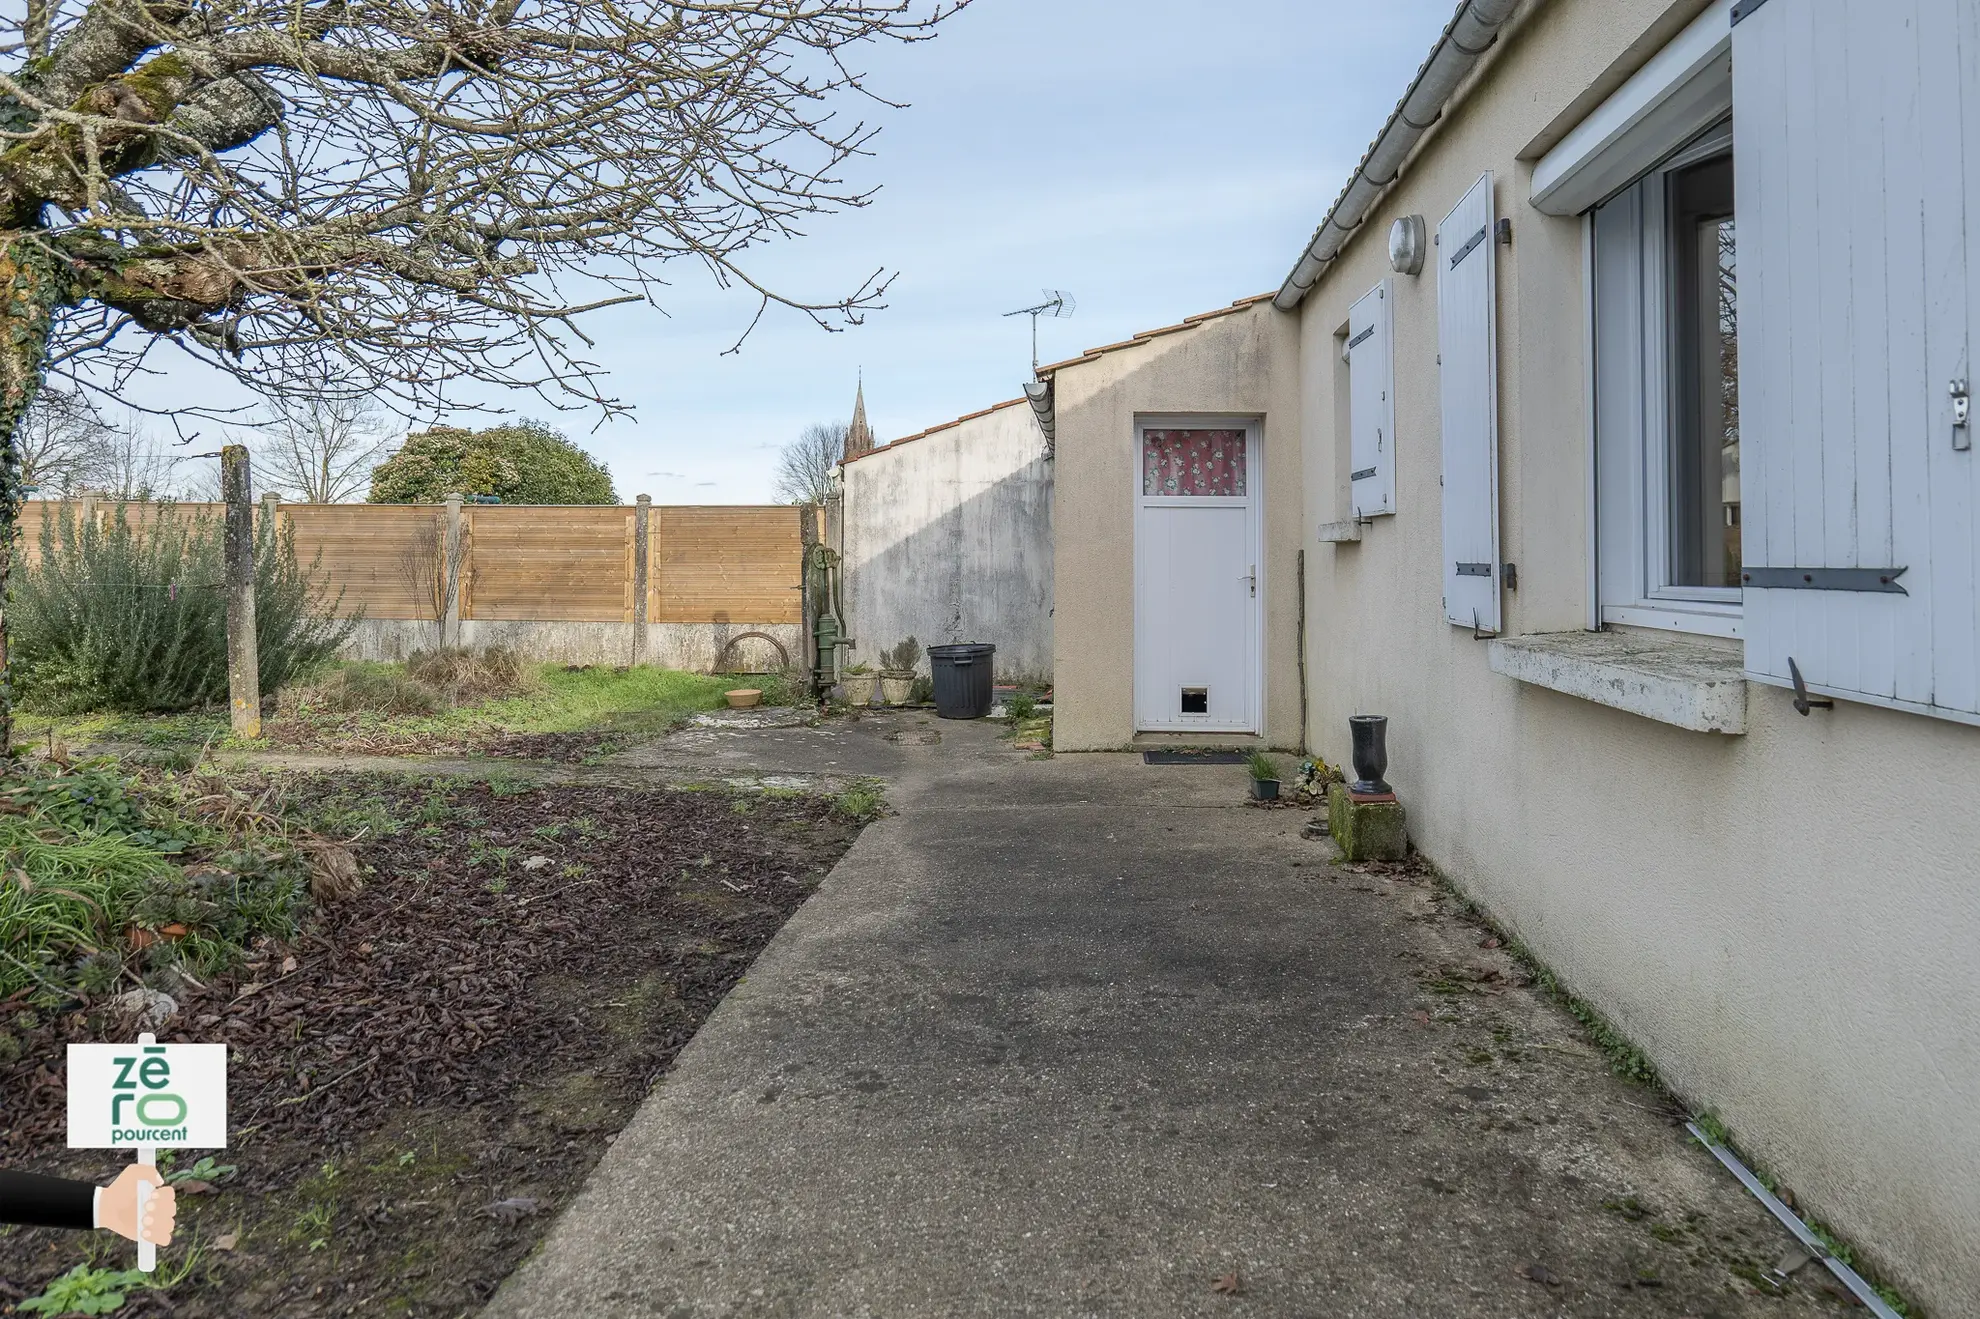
x=1883 y=580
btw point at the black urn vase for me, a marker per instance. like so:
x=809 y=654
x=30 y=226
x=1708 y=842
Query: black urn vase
x=1371 y=751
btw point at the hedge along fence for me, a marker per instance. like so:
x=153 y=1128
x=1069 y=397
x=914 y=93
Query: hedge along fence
x=542 y=563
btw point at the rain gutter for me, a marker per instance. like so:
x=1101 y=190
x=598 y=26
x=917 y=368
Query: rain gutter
x=1471 y=33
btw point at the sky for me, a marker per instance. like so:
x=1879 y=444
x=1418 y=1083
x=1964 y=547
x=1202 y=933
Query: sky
x=1154 y=158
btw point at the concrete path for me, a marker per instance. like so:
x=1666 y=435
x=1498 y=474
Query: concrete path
x=1087 y=1037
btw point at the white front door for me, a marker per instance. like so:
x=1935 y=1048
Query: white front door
x=1196 y=643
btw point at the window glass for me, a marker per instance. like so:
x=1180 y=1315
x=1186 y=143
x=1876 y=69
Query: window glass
x=1192 y=462
x=1704 y=507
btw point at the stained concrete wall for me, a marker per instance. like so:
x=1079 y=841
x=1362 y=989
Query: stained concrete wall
x=1785 y=921
x=690 y=646
x=947 y=537
x=1243 y=364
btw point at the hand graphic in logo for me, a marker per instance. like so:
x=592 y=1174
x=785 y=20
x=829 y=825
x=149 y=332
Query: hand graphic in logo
x=117 y=1206
x=37 y=1201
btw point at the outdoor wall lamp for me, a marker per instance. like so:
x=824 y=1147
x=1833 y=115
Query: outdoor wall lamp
x=1406 y=244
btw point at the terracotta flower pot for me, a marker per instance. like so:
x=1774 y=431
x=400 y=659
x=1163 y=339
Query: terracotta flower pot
x=744 y=697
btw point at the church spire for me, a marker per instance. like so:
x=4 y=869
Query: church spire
x=859 y=436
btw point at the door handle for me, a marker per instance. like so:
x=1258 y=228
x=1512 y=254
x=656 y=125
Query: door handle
x=1252 y=578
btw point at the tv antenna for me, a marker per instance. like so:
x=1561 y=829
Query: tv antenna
x=1058 y=305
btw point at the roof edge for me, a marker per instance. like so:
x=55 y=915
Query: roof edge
x=924 y=434
x=1143 y=336
x=1472 y=31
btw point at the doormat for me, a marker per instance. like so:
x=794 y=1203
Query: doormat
x=1193 y=758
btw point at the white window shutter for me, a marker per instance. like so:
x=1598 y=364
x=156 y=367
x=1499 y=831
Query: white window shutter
x=1467 y=344
x=1371 y=406
x=1859 y=268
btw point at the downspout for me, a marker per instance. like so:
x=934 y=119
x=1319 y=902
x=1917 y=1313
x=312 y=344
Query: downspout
x=1471 y=33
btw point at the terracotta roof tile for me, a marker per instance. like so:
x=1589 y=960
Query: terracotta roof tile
x=1187 y=323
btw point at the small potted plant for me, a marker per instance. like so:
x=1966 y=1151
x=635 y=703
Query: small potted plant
x=859 y=682
x=897 y=671
x=1264 y=777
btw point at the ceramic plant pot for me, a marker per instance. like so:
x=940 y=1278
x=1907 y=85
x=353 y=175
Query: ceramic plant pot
x=744 y=697
x=1370 y=733
x=859 y=688
x=895 y=688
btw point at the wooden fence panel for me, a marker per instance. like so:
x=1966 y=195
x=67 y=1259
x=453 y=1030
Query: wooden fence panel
x=562 y=564
x=541 y=564
x=725 y=565
x=364 y=549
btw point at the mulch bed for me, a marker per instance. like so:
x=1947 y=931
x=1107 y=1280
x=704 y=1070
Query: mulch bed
x=422 y=1080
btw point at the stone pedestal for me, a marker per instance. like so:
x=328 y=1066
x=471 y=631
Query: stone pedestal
x=1367 y=826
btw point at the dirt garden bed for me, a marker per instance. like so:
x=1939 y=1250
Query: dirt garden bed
x=423 y=1078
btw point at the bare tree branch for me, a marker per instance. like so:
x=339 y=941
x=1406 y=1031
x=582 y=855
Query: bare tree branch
x=322 y=450
x=411 y=193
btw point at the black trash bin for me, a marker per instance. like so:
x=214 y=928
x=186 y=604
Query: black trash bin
x=962 y=680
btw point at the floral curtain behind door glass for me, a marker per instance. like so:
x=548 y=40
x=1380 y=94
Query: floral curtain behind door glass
x=1192 y=462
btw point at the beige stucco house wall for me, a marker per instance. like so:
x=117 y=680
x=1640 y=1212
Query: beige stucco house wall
x=1786 y=921
x=1241 y=361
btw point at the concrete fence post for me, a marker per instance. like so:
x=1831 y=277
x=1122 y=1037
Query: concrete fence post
x=271 y=504
x=452 y=567
x=808 y=516
x=642 y=523
x=243 y=657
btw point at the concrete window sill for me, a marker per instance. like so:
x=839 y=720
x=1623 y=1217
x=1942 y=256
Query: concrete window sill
x=1340 y=533
x=1669 y=679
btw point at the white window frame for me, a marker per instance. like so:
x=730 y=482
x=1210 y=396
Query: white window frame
x=1648 y=128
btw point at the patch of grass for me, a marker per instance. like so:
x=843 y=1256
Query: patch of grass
x=1261 y=767
x=862 y=799
x=312 y=1226
x=1021 y=707
x=350 y=815
x=368 y=699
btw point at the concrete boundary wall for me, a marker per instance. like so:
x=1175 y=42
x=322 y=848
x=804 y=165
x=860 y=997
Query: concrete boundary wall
x=694 y=647
x=946 y=536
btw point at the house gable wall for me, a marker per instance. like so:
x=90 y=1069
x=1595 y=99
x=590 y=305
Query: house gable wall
x=947 y=537
x=1244 y=363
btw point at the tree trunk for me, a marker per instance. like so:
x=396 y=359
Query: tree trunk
x=243 y=652
x=30 y=291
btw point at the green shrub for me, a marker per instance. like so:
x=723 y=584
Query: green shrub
x=1262 y=767
x=524 y=463
x=132 y=614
